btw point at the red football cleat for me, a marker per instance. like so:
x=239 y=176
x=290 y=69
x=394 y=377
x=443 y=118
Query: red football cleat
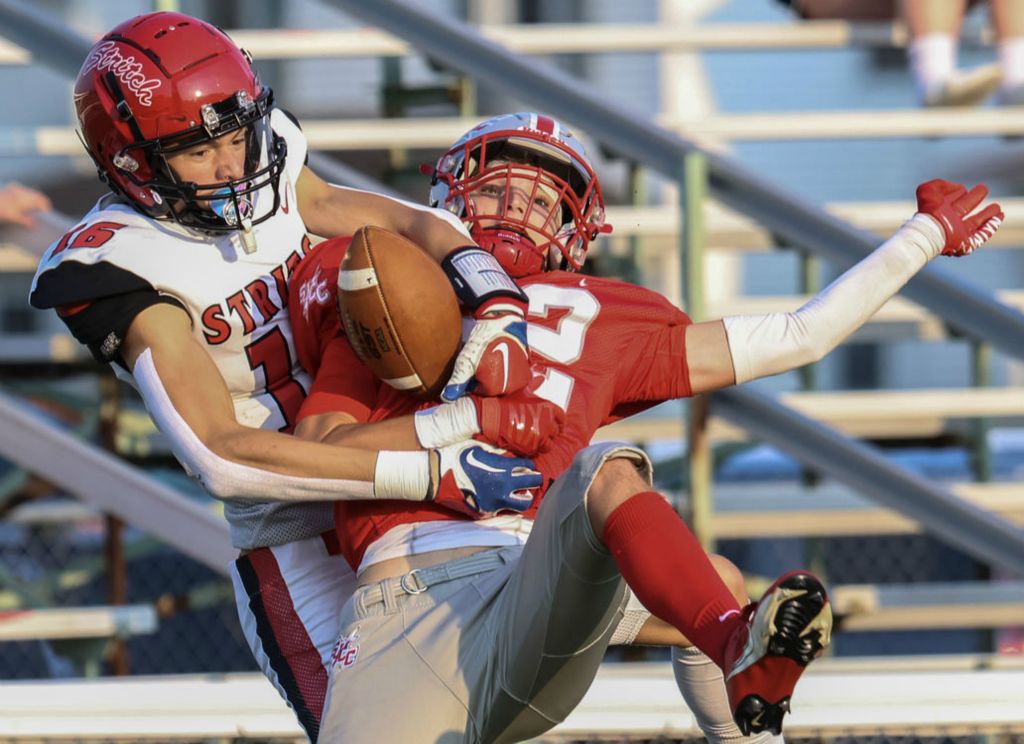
x=766 y=655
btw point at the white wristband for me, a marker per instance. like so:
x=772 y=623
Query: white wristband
x=446 y=424
x=402 y=475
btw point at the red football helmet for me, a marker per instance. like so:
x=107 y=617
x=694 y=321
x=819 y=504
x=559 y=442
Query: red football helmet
x=561 y=208
x=163 y=82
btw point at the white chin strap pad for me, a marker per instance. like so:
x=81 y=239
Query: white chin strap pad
x=223 y=478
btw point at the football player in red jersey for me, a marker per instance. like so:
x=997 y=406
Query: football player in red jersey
x=500 y=640
x=179 y=277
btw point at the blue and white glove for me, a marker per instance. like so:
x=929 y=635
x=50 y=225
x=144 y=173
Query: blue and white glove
x=479 y=480
x=495 y=359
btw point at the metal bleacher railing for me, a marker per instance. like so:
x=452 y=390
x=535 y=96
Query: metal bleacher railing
x=974 y=701
x=966 y=696
x=536 y=39
x=437 y=133
x=969 y=525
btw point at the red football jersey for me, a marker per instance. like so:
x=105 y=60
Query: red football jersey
x=340 y=381
x=601 y=349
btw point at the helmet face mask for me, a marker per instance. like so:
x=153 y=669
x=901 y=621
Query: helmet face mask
x=165 y=82
x=524 y=188
x=511 y=204
x=189 y=202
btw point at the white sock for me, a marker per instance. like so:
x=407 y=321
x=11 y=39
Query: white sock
x=1011 y=61
x=932 y=61
x=702 y=685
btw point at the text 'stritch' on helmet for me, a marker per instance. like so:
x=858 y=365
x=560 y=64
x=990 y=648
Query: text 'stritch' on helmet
x=524 y=187
x=163 y=82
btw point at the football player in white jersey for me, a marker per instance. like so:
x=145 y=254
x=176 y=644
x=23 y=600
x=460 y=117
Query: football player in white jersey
x=179 y=277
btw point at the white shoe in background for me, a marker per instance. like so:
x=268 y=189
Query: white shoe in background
x=965 y=87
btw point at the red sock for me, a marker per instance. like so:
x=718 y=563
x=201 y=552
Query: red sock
x=670 y=573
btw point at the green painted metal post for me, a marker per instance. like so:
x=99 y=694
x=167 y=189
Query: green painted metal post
x=467 y=96
x=394 y=106
x=981 y=453
x=810 y=283
x=638 y=195
x=693 y=186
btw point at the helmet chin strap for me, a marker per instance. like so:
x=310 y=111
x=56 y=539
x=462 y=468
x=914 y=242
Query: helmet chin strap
x=516 y=253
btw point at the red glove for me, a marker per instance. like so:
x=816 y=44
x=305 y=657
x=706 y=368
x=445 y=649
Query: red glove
x=520 y=423
x=495 y=360
x=950 y=204
x=504 y=365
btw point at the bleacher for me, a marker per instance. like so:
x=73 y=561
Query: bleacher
x=947 y=696
x=843 y=697
x=923 y=696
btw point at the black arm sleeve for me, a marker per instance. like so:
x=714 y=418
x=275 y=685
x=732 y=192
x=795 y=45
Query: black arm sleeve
x=102 y=325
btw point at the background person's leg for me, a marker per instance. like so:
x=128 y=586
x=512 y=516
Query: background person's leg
x=934 y=27
x=1008 y=21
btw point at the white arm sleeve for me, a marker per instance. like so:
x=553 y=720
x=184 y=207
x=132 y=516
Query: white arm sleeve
x=763 y=345
x=398 y=475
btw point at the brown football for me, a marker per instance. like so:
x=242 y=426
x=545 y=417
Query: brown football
x=399 y=311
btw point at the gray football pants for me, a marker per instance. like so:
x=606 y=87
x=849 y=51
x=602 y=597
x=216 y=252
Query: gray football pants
x=501 y=655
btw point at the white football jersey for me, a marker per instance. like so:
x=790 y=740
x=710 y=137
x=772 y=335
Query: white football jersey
x=238 y=305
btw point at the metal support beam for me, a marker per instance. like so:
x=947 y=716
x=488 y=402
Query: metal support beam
x=100 y=479
x=862 y=467
x=47 y=38
x=337 y=172
x=694 y=180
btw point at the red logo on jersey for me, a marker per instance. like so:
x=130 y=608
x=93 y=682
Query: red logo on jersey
x=346 y=651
